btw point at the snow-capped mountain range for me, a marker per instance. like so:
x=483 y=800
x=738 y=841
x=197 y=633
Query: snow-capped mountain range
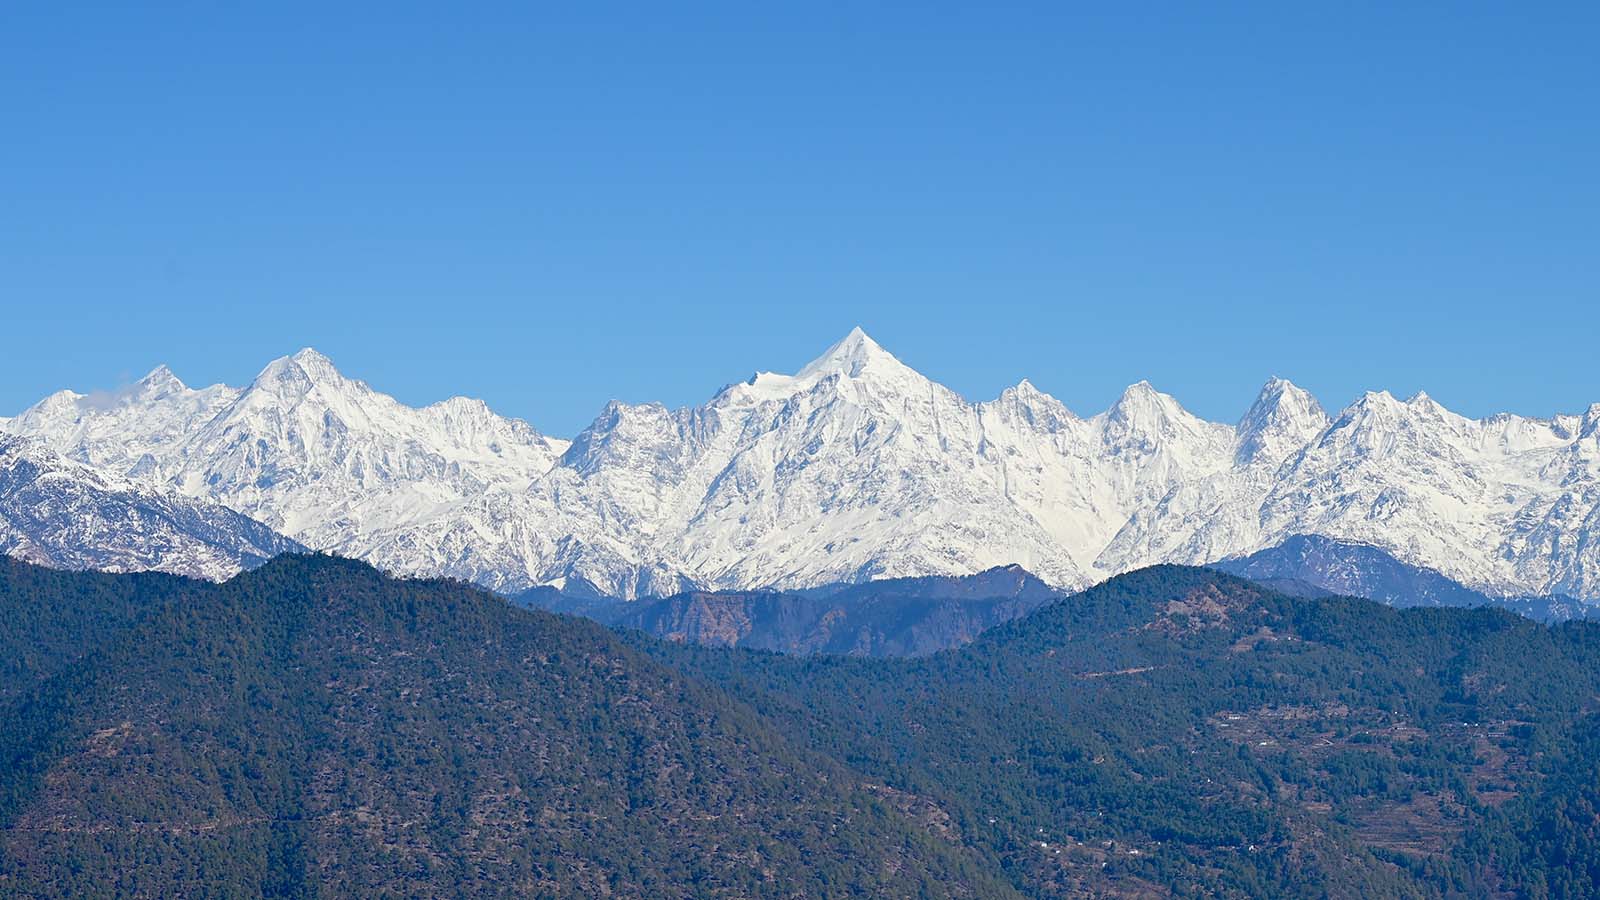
x=856 y=467
x=61 y=513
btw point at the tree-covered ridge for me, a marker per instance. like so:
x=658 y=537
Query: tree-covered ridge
x=316 y=729
x=1179 y=731
x=313 y=728
x=884 y=617
x=52 y=619
x=892 y=617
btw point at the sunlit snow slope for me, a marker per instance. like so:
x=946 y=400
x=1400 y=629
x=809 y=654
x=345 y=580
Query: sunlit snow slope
x=856 y=467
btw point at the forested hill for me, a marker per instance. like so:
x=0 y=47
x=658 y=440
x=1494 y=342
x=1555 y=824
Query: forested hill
x=313 y=728
x=890 y=617
x=1181 y=732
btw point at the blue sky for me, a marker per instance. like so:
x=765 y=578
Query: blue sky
x=552 y=206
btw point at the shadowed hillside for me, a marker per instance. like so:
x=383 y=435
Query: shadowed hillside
x=889 y=617
x=313 y=728
x=1181 y=732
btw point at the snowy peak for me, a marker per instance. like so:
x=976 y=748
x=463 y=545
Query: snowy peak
x=1422 y=406
x=856 y=368
x=316 y=365
x=298 y=401
x=855 y=359
x=317 y=455
x=1026 y=393
x=1281 y=399
x=1283 y=419
x=301 y=422
x=1378 y=419
x=855 y=467
x=1146 y=415
x=1372 y=411
x=121 y=431
x=1141 y=402
x=299 y=374
x=1026 y=402
x=643 y=434
x=852 y=357
x=1377 y=403
x=159 y=382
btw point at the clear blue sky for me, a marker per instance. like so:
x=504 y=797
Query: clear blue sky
x=550 y=206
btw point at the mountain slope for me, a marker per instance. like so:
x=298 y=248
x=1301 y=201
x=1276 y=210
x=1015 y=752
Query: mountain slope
x=325 y=458
x=853 y=469
x=65 y=514
x=130 y=431
x=856 y=468
x=1505 y=505
x=1181 y=732
x=1358 y=570
x=317 y=456
x=313 y=727
x=892 y=617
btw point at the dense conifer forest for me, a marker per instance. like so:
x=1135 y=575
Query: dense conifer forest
x=314 y=728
